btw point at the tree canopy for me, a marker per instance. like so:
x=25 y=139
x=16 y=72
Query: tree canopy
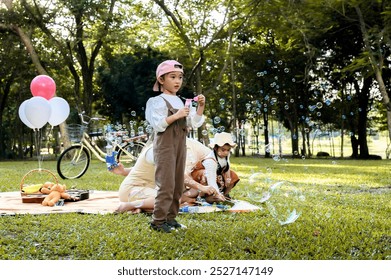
x=308 y=65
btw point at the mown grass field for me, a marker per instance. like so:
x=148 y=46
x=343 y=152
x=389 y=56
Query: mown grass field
x=345 y=208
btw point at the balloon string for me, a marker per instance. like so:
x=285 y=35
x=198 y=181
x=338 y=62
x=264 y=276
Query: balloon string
x=37 y=140
x=48 y=138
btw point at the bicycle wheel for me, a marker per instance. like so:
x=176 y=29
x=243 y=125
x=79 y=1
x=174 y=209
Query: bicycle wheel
x=129 y=153
x=73 y=162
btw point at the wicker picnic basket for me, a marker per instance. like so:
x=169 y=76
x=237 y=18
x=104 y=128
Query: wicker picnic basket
x=36 y=177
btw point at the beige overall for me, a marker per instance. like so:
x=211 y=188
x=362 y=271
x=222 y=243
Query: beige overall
x=169 y=149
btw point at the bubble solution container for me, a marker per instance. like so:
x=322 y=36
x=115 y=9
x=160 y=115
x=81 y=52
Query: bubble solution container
x=189 y=209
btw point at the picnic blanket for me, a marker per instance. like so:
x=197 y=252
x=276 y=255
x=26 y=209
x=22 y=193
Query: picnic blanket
x=99 y=202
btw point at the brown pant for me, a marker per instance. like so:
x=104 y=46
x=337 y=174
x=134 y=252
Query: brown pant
x=169 y=150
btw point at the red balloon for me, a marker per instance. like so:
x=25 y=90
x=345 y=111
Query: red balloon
x=43 y=86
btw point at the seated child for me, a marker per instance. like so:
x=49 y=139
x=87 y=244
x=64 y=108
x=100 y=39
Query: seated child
x=214 y=170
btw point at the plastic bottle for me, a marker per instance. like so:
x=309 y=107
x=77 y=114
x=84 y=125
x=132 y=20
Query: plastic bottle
x=111 y=163
x=194 y=209
x=109 y=150
x=190 y=209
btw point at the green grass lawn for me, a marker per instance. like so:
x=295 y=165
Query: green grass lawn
x=345 y=208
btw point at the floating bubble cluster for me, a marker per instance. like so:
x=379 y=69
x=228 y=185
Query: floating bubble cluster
x=283 y=200
x=119 y=133
x=116 y=133
x=285 y=203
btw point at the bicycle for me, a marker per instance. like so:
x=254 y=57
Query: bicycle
x=74 y=161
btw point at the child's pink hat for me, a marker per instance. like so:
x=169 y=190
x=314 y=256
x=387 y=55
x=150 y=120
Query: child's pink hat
x=166 y=67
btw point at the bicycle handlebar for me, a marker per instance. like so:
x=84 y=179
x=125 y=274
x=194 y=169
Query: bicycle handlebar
x=82 y=115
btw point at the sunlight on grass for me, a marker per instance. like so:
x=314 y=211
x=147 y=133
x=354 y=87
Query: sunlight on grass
x=332 y=210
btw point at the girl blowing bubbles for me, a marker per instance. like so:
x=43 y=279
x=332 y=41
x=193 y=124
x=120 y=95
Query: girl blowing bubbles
x=167 y=114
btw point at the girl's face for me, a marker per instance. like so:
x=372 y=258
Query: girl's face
x=223 y=151
x=171 y=82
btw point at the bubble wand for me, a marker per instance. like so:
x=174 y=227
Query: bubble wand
x=189 y=100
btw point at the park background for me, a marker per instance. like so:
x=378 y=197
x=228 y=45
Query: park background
x=299 y=70
x=288 y=79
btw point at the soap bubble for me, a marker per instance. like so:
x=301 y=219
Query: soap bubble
x=258 y=187
x=319 y=105
x=217 y=120
x=149 y=129
x=220 y=129
x=276 y=157
x=285 y=202
x=268 y=148
x=133 y=113
x=255 y=178
x=222 y=102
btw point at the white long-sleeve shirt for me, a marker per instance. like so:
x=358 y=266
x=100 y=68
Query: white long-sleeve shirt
x=156 y=112
x=211 y=169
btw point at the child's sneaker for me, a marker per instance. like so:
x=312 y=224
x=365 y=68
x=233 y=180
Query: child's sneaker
x=175 y=225
x=163 y=227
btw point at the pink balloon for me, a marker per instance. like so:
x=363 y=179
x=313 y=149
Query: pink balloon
x=43 y=86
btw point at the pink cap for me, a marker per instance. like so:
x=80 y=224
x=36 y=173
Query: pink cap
x=166 y=67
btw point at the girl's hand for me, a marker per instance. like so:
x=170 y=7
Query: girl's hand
x=182 y=113
x=207 y=190
x=119 y=170
x=220 y=197
x=201 y=100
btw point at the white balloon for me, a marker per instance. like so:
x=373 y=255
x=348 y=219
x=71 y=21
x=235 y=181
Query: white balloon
x=37 y=111
x=22 y=115
x=60 y=110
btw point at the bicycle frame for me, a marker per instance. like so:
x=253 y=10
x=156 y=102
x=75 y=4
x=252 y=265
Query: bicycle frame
x=99 y=154
x=87 y=142
x=74 y=160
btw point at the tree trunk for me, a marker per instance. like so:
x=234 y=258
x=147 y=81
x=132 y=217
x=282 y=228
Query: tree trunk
x=363 y=101
x=376 y=65
x=354 y=143
x=266 y=133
